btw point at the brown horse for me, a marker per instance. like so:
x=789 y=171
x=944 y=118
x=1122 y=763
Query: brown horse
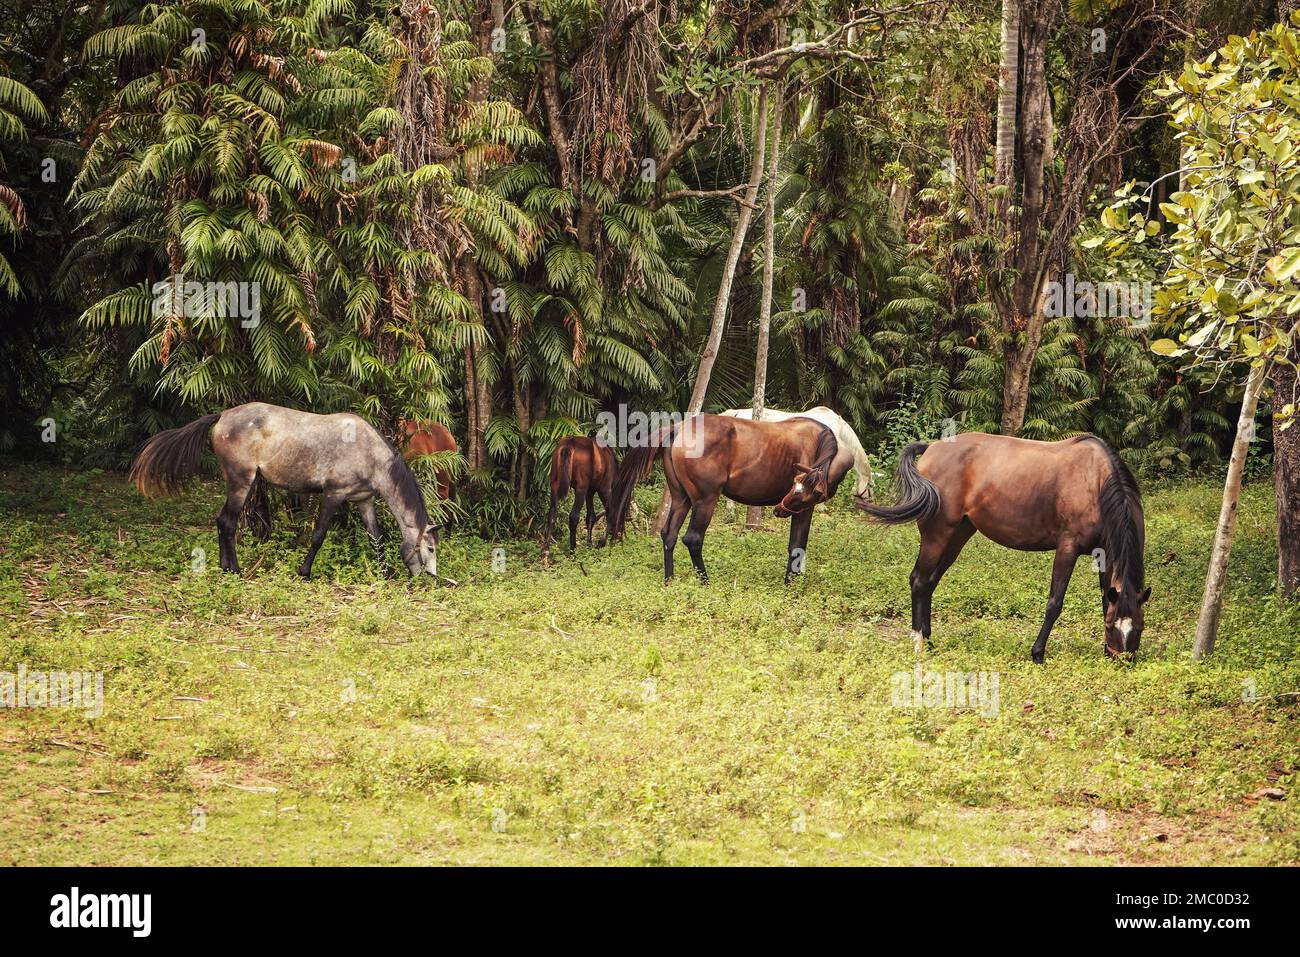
x=424 y=437
x=753 y=463
x=589 y=468
x=1074 y=496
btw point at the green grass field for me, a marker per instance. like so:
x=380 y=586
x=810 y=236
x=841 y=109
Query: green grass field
x=586 y=714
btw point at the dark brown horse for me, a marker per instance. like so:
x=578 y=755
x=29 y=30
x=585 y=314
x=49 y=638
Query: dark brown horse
x=1074 y=496
x=425 y=437
x=589 y=468
x=753 y=463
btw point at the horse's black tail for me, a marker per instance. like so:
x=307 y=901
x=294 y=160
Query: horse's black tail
x=564 y=463
x=170 y=459
x=636 y=465
x=918 y=497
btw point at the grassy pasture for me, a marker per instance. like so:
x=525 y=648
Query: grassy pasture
x=585 y=713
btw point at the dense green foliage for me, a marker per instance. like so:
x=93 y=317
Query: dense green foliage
x=512 y=227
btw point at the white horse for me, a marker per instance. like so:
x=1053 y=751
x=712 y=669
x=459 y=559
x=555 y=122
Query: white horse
x=850 y=453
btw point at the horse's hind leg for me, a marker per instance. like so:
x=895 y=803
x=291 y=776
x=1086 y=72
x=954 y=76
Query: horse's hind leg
x=677 y=510
x=591 y=513
x=701 y=515
x=940 y=546
x=550 y=525
x=606 y=496
x=1062 y=568
x=575 y=515
x=328 y=506
x=237 y=488
x=370 y=518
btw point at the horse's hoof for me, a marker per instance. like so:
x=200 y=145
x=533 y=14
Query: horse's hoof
x=305 y=576
x=1037 y=657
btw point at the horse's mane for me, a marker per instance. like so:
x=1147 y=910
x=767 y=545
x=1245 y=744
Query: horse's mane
x=407 y=489
x=1120 y=535
x=827 y=447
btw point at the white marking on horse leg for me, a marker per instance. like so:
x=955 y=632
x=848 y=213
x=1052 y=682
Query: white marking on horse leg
x=918 y=642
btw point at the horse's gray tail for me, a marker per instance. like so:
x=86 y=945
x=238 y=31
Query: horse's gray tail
x=170 y=459
x=918 y=497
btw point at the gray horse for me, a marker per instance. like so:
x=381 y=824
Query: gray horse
x=339 y=457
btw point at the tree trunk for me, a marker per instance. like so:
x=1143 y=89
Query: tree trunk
x=1022 y=313
x=1286 y=482
x=754 y=515
x=478 y=397
x=1207 y=627
x=478 y=394
x=1004 y=162
x=743 y=216
x=1016 y=376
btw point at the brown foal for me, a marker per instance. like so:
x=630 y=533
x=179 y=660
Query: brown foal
x=589 y=468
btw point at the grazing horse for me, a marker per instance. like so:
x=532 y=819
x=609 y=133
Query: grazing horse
x=425 y=437
x=753 y=463
x=851 y=452
x=340 y=457
x=589 y=468
x=1074 y=496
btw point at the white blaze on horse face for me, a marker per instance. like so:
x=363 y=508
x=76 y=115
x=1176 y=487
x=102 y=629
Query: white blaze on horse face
x=798 y=487
x=1125 y=626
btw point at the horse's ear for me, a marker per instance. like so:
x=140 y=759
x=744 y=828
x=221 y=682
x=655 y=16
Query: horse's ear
x=1145 y=596
x=800 y=467
x=1112 y=596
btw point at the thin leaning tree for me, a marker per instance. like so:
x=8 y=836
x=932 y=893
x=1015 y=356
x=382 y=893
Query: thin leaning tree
x=754 y=515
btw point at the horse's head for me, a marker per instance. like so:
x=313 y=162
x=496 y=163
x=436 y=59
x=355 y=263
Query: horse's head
x=1124 y=618
x=808 y=489
x=421 y=554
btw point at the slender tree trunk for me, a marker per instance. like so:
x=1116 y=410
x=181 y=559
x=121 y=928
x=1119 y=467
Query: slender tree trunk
x=1207 y=627
x=754 y=516
x=1286 y=445
x=1022 y=314
x=478 y=397
x=743 y=217
x=1286 y=482
x=523 y=457
x=478 y=394
x=1004 y=163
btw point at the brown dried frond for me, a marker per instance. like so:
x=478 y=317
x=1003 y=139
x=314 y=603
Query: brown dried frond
x=15 y=205
x=613 y=81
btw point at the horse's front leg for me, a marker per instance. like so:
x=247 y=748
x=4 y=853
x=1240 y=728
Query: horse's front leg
x=370 y=519
x=701 y=515
x=797 y=552
x=1062 y=568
